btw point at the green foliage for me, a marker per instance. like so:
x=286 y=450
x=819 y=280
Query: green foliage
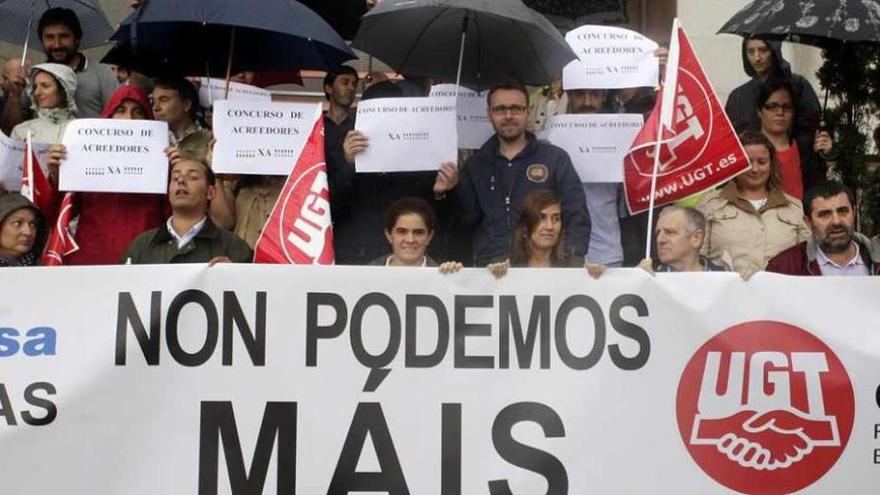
x=852 y=74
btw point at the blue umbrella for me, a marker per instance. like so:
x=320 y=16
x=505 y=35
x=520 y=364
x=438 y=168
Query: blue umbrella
x=20 y=17
x=217 y=37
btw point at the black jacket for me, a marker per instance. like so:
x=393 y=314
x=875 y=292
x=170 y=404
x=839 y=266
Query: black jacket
x=742 y=103
x=492 y=188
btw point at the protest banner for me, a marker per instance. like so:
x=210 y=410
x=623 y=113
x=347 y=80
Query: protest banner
x=406 y=134
x=473 y=125
x=687 y=144
x=212 y=89
x=260 y=138
x=115 y=155
x=610 y=58
x=311 y=380
x=596 y=143
x=12 y=158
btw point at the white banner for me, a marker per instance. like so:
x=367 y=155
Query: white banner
x=610 y=58
x=12 y=160
x=212 y=89
x=596 y=143
x=261 y=138
x=406 y=134
x=474 y=127
x=310 y=380
x=114 y=155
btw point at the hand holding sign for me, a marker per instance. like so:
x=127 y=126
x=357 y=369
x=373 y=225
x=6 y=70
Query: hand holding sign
x=355 y=142
x=447 y=178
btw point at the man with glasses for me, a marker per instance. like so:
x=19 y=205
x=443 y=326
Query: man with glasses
x=496 y=179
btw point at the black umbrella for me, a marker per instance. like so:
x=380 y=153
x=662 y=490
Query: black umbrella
x=569 y=14
x=822 y=23
x=818 y=23
x=343 y=15
x=475 y=43
x=216 y=37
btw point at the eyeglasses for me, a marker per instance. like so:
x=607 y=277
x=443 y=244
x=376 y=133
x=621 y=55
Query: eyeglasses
x=775 y=107
x=513 y=109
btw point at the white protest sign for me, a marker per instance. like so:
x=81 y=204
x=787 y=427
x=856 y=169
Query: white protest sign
x=292 y=379
x=115 y=155
x=406 y=134
x=261 y=138
x=474 y=127
x=211 y=90
x=596 y=143
x=12 y=160
x=610 y=58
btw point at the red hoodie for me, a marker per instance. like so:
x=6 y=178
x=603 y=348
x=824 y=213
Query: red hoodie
x=108 y=222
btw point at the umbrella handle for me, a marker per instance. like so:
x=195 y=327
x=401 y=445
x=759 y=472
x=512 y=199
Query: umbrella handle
x=229 y=62
x=464 y=27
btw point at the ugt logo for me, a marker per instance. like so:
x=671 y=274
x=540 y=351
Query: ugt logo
x=692 y=123
x=765 y=408
x=311 y=228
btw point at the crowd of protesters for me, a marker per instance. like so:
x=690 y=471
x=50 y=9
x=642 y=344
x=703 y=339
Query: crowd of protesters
x=515 y=202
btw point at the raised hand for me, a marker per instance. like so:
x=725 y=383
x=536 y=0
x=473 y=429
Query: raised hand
x=447 y=178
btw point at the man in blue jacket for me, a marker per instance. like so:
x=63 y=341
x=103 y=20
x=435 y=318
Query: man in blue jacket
x=493 y=183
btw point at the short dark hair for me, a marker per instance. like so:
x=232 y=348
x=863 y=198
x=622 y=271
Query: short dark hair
x=772 y=85
x=331 y=76
x=826 y=189
x=210 y=176
x=507 y=87
x=60 y=15
x=410 y=205
x=185 y=90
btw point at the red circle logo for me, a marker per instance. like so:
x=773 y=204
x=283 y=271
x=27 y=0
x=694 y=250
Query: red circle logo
x=304 y=224
x=765 y=408
x=693 y=121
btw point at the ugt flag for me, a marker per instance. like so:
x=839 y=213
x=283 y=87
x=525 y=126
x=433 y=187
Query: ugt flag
x=61 y=242
x=299 y=230
x=698 y=148
x=35 y=186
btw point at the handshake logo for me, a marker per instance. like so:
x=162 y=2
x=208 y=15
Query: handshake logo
x=765 y=407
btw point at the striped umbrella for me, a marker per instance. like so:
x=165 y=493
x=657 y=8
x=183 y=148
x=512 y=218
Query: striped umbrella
x=20 y=18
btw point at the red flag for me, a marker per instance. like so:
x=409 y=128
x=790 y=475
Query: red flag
x=299 y=230
x=35 y=186
x=61 y=242
x=698 y=149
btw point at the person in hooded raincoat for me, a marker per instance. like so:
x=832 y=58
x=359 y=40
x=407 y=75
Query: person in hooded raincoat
x=762 y=60
x=22 y=231
x=108 y=222
x=51 y=88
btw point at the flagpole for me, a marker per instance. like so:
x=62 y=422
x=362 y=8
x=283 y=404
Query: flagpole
x=667 y=105
x=653 y=190
x=29 y=164
x=464 y=28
